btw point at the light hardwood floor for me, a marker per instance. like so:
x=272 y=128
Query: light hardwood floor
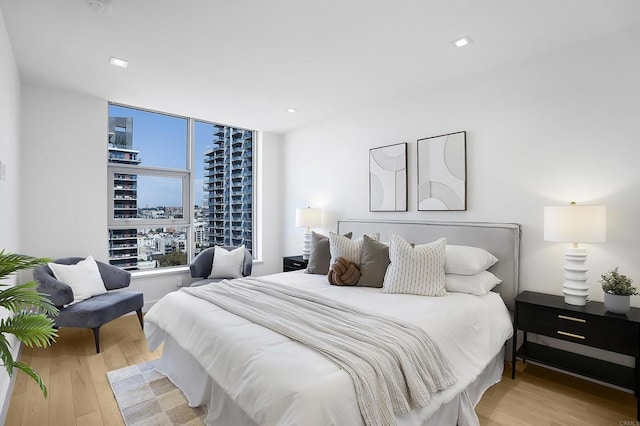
x=79 y=393
x=75 y=376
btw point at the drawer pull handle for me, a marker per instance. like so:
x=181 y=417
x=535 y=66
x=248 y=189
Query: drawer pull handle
x=572 y=318
x=297 y=264
x=575 y=336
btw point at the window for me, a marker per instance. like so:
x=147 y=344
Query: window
x=226 y=156
x=176 y=187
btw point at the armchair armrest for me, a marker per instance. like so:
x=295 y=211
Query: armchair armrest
x=248 y=263
x=58 y=292
x=113 y=277
x=200 y=266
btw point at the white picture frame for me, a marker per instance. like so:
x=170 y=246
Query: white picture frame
x=442 y=172
x=388 y=178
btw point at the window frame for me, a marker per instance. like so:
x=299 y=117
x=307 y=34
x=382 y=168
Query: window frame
x=188 y=178
x=115 y=223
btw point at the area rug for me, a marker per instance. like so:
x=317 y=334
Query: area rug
x=146 y=397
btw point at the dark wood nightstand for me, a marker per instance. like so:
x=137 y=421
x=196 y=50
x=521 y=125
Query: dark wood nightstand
x=293 y=263
x=589 y=325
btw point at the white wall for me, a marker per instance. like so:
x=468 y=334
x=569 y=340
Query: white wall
x=64 y=173
x=558 y=128
x=9 y=145
x=270 y=208
x=65 y=182
x=10 y=185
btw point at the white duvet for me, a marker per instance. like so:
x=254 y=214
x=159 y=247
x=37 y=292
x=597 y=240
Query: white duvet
x=277 y=381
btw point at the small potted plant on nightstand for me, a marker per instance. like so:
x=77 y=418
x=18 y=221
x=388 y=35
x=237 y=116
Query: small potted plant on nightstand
x=617 y=291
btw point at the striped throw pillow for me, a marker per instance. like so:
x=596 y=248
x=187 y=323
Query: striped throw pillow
x=415 y=270
x=341 y=246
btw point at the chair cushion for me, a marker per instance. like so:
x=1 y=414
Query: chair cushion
x=99 y=310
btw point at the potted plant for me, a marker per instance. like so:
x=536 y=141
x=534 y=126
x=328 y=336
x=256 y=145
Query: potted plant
x=30 y=322
x=617 y=291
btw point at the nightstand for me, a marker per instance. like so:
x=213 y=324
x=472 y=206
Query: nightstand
x=293 y=263
x=589 y=325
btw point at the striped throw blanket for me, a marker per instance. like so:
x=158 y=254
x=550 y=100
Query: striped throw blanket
x=394 y=365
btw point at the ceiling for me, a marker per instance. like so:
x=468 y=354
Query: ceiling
x=244 y=62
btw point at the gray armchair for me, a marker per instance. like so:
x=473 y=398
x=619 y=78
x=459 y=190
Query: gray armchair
x=97 y=310
x=200 y=266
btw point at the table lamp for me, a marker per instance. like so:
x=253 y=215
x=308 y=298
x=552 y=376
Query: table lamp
x=575 y=224
x=307 y=218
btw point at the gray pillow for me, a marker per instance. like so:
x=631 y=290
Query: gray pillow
x=374 y=263
x=320 y=256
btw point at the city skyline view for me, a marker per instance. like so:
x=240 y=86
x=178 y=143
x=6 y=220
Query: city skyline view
x=147 y=156
x=161 y=140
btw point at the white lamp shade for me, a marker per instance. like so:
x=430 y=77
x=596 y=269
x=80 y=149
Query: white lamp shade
x=308 y=218
x=575 y=224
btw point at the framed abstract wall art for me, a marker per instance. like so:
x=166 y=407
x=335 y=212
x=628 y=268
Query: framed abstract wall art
x=442 y=172
x=388 y=178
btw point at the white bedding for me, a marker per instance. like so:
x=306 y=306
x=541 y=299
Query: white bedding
x=277 y=381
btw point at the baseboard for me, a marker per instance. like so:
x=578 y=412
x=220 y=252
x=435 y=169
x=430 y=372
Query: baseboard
x=4 y=407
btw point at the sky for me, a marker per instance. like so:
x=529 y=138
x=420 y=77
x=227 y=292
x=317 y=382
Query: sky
x=162 y=142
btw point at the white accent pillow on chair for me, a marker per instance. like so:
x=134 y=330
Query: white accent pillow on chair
x=84 y=278
x=227 y=263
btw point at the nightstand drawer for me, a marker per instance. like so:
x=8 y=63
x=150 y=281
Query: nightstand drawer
x=600 y=332
x=293 y=263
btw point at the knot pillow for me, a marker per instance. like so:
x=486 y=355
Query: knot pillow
x=344 y=272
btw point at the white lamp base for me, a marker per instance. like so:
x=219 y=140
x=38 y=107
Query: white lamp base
x=306 y=244
x=575 y=287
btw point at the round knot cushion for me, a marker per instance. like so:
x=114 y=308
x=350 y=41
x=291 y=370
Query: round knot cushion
x=344 y=272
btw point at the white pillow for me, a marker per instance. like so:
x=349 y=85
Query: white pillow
x=227 y=264
x=466 y=260
x=341 y=246
x=84 y=278
x=478 y=284
x=415 y=270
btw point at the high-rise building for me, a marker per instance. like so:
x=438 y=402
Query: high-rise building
x=123 y=243
x=229 y=184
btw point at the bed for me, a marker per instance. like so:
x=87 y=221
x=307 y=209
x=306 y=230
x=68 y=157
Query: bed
x=248 y=375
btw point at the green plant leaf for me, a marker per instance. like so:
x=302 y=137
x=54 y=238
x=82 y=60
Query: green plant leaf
x=615 y=283
x=30 y=322
x=32 y=373
x=31 y=329
x=5 y=355
x=25 y=297
x=12 y=262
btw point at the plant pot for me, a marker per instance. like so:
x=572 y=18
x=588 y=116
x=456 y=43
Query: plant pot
x=616 y=304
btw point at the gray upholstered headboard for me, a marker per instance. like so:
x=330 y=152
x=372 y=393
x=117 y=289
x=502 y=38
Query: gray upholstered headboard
x=500 y=239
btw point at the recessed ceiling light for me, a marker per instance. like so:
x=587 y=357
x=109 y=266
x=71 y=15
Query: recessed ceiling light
x=291 y=110
x=462 y=41
x=100 y=6
x=118 y=62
